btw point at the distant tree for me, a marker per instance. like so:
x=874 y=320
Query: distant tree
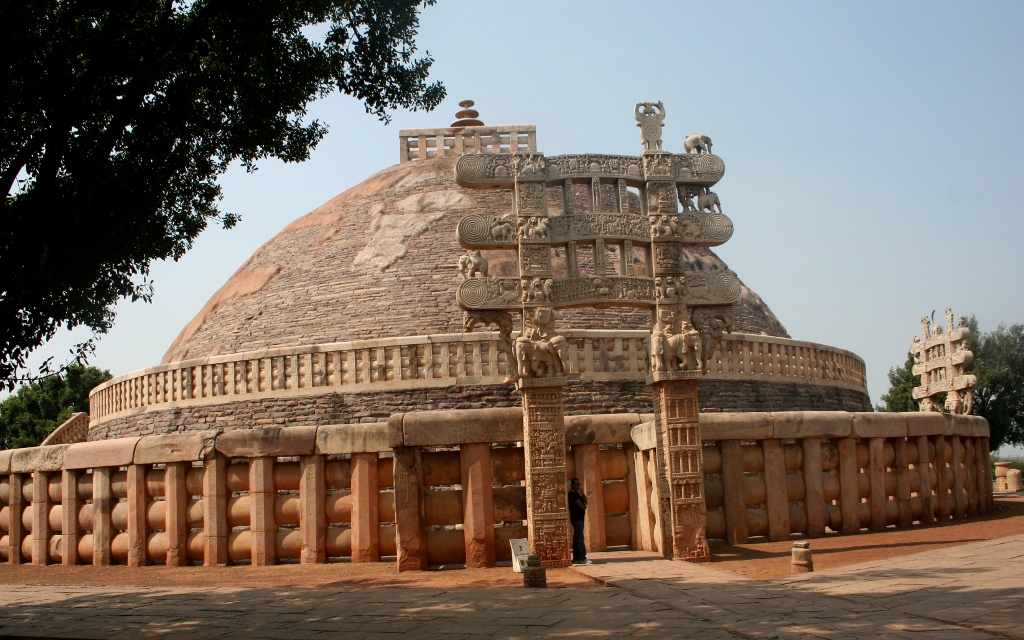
x=28 y=416
x=901 y=388
x=999 y=395
x=119 y=116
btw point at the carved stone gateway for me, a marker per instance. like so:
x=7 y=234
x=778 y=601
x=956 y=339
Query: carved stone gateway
x=622 y=234
x=939 y=359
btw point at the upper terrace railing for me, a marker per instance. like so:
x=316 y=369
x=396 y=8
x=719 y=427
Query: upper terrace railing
x=424 y=144
x=447 y=360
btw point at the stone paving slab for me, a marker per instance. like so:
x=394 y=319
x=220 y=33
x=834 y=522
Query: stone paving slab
x=970 y=591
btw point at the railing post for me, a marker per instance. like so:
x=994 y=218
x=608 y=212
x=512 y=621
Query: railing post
x=69 y=517
x=477 y=504
x=814 y=495
x=409 y=517
x=101 y=526
x=262 y=527
x=849 y=492
x=365 y=515
x=777 y=494
x=312 y=517
x=137 y=504
x=176 y=497
x=215 y=510
x=41 y=518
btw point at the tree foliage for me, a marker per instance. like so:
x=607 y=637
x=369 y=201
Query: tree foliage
x=118 y=118
x=28 y=416
x=999 y=395
x=901 y=388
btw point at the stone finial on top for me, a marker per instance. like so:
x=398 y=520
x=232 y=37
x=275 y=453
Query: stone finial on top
x=468 y=117
x=649 y=117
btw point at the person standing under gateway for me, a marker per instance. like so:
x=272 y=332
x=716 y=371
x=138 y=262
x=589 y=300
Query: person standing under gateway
x=577 y=514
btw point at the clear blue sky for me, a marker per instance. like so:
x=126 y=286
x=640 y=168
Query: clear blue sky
x=871 y=150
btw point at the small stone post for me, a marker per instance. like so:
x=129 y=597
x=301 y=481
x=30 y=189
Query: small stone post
x=802 y=561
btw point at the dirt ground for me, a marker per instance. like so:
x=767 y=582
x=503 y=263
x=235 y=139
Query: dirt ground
x=760 y=561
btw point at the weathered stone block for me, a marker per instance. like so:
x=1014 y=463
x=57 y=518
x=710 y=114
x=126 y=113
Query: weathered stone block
x=927 y=423
x=352 y=438
x=437 y=428
x=5 y=460
x=268 y=442
x=961 y=425
x=645 y=435
x=604 y=429
x=176 y=447
x=879 y=425
x=735 y=426
x=102 y=453
x=812 y=424
x=50 y=458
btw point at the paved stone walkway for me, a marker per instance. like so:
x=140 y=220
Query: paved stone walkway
x=969 y=591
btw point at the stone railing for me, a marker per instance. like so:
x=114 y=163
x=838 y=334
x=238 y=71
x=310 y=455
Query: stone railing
x=456 y=359
x=424 y=144
x=773 y=474
x=74 y=429
x=446 y=487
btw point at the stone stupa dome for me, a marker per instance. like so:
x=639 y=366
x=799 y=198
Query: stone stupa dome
x=349 y=314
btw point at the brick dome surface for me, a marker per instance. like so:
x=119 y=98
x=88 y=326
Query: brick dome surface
x=378 y=261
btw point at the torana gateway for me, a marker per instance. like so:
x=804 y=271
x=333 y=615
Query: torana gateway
x=346 y=395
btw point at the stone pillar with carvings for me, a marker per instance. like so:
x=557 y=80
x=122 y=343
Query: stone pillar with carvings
x=675 y=356
x=540 y=354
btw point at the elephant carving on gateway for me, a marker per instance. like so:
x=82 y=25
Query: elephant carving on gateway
x=472 y=264
x=540 y=352
x=675 y=345
x=697 y=143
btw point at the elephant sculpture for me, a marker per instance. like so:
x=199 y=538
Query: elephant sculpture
x=708 y=202
x=472 y=264
x=676 y=352
x=541 y=358
x=697 y=143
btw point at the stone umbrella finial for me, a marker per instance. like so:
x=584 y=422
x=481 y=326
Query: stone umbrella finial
x=468 y=116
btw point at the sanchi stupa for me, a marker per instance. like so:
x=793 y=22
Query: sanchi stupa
x=415 y=369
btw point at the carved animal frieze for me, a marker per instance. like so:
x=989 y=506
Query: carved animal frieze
x=701 y=229
x=711 y=287
x=489 y=293
x=588 y=226
x=533 y=228
x=701 y=169
x=591 y=165
x=603 y=290
x=480 y=230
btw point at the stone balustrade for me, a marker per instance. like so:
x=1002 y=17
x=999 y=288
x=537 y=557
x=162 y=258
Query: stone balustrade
x=424 y=144
x=446 y=360
x=773 y=474
x=446 y=487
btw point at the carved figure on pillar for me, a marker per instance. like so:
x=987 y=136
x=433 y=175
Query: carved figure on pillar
x=540 y=352
x=503 y=320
